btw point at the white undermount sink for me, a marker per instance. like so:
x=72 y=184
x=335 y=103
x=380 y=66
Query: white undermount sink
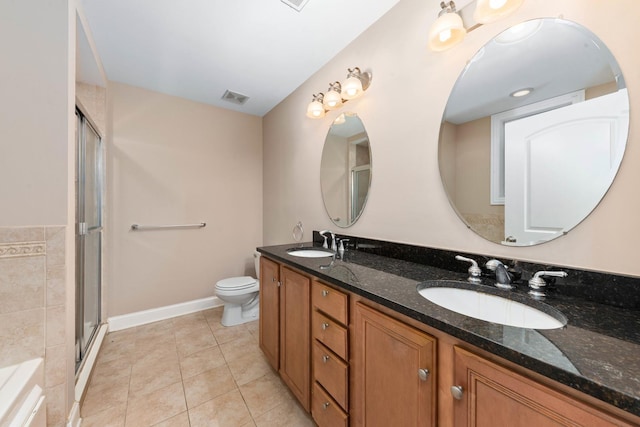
x=492 y=308
x=309 y=252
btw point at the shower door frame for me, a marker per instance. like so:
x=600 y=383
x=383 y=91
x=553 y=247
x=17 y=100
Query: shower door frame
x=83 y=230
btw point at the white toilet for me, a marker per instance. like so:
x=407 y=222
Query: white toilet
x=240 y=296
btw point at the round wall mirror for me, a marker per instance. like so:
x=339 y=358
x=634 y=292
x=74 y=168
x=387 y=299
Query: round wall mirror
x=345 y=169
x=533 y=132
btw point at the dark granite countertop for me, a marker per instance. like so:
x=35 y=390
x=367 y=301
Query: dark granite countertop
x=597 y=352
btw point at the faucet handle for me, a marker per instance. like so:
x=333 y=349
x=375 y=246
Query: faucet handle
x=474 y=271
x=537 y=283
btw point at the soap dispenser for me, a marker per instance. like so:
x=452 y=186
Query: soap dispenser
x=341 y=249
x=325 y=245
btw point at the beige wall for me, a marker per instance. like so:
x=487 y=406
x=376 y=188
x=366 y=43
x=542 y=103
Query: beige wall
x=33 y=113
x=174 y=161
x=402 y=111
x=37 y=42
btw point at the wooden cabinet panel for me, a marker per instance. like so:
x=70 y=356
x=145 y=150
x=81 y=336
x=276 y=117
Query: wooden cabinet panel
x=295 y=336
x=270 y=311
x=496 y=396
x=332 y=373
x=330 y=333
x=330 y=301
x=325 y=411
x=388 y=357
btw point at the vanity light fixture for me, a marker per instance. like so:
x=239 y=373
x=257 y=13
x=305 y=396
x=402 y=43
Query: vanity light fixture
x=492 y=10
x=452 y=25
x=338 y=93
x=448 y=30
x=333 y=98
x=355 y=84
x=315 y=109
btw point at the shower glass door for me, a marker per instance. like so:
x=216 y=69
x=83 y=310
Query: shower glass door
x=88 y=235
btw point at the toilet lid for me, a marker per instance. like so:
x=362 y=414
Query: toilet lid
x=236 y=283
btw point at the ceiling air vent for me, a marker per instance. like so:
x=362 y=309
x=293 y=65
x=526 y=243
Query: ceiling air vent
x=236 y=98
x=296 y=4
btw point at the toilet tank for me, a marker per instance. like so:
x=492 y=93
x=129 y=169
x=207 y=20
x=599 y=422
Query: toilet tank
x=256 y=261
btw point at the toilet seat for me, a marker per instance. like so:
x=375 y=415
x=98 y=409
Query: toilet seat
x=236 y=283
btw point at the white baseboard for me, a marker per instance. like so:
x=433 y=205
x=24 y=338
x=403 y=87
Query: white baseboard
x=130 y=320
x=74 y=416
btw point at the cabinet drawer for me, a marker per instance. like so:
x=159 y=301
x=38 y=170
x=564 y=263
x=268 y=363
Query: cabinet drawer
x=330 y=333
x=332 y=373
x=330 y=301
x=325 y=411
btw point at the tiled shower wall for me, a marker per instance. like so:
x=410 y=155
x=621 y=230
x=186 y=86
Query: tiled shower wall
x=32 y=306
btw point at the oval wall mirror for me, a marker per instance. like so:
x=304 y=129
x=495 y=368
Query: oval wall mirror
x=345 y=169
x=533 y=132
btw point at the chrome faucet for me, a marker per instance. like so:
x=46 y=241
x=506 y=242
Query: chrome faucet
x=474 y=271
x=537 y=283
x=334 y=244
x=503 y=278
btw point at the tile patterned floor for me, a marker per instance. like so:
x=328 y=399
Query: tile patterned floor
x=188 y=371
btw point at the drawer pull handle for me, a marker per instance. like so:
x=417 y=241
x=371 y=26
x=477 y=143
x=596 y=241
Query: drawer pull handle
x=325 y=292
x=423 y=374
x=325 y=358
x=456 y=392
x=324 y=326
x=325 y=405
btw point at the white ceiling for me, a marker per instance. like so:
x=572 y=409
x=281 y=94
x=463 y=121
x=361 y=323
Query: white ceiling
x=197 y=49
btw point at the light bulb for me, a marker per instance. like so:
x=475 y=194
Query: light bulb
x=444 y=35
x=446 y=32
x=491 y=10
x=351 y=88
x=315 y=110
x=332 y=100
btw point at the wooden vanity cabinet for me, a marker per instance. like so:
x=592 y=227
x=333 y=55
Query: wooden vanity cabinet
x=492 y=395
x=285 y=336
x=269 y=318
x=394 y=374
x=330 y=400
x=350 y=361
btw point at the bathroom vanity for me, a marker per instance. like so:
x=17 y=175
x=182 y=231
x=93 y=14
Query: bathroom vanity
x=357 y=345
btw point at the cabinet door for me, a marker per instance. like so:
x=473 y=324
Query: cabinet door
x=270 y=311
x=295 y=333
x=389 y=389
x=495 y=396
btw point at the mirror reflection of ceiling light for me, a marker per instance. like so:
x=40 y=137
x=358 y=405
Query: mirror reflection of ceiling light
x=341 y=119
x=352 y=87
x=521 y=92
x=518 y=32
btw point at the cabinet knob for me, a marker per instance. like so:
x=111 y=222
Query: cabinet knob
x=325 y=405
x=324 y=326
x=325 y=358
x=273 y=279
x=456 y=392
x=325 y=292
x=423 y=374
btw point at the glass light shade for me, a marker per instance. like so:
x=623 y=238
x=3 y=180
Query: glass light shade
x=332 y=99
x=492 y=10
x=315 y=110
x=351 y=88
x=446 y=32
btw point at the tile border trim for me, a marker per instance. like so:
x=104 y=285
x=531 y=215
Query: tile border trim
x=23 y=249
